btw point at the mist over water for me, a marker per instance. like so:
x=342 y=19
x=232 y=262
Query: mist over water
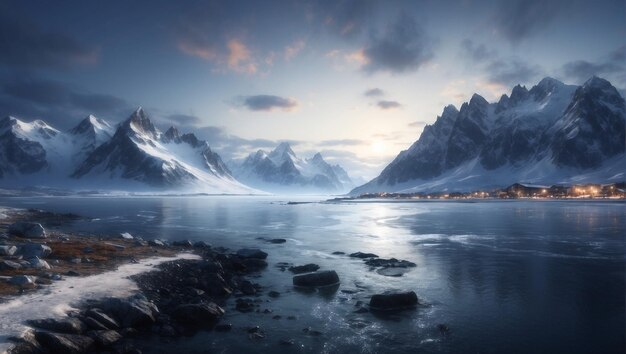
x=504 y=276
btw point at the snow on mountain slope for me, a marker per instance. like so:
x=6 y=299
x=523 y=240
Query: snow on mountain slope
x=281 y=170
x=93 y=155
x=552 y=133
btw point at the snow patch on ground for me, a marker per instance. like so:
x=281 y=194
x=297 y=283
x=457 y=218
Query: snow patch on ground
x=62 y=296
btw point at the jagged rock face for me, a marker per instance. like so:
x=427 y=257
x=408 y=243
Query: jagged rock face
x=137 y=151
x=281 y=170
x=555 y=126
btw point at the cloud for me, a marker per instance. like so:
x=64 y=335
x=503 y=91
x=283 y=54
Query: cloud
x=344 y=18
x=418 y=124
x=520 y=19
x=404 y=46
x=184 y=119
x=291 y=51
x=475 y=52
x=374 y=92
x=268 y=103
x=341 y=142
x=612 y=65
x=511 y=72
x=27 y=45
x=384 y=104
x=56 y=102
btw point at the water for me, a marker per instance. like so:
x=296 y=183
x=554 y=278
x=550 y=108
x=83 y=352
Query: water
x=505 y=276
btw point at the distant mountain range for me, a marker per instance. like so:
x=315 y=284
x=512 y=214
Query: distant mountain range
x=282 y=171
x=553 y=133
x=132 y=156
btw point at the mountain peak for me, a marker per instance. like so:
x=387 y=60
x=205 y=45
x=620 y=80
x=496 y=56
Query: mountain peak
x=283 y=148
x=477 y=100
x=597 y=82
x=140 y=123
x=317 y=157
x=449 y=109
x=91 y=123
x=171 y=134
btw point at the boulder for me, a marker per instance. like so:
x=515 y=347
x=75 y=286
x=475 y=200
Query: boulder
x=27 y=229
x=30 y=250
x=105 y=338
x=64 y=325
x=307 y=268
x=197 y=314
x=126 y=236
x=103 y=318
x=317 y=279
x=94 y=324
x=156 y=243
x=277 y=240
x=389 y=263
x=253 y=264
x=9 y=265
x=363 y=255
x=23 y=280
x=254 y=253
x=7 y=250
x=392 y=271
x=38 y=263
x=182 y=243
x=64 y=343
x=393 y=301
x=135 y=311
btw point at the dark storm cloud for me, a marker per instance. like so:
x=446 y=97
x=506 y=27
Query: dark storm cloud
x=374 y=92
x=613 y=64
x=519 y=19
x=384 y=104
x=511 y=72
x=56 y=102
x=26 y=45
x=475 y=52
x=404 y=46
x=268 y=103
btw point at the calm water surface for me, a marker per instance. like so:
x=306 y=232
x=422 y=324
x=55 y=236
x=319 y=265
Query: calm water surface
x=505 y=276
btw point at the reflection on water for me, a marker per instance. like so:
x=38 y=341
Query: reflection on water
x=504 y=276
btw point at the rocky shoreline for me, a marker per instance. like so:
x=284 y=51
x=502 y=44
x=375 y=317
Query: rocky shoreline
x=177 y=299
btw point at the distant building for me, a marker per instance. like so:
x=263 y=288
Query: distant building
x=525 y=190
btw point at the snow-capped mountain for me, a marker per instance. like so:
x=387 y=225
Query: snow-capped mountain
x=282 y=171
x=552 y=133
x=135 y=155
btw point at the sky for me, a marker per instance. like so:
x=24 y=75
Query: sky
x=354 y=80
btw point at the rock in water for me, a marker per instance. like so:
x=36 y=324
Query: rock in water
x=363 y=255
x=307 y=268
x=393 y=301
x=7 y=250
x=131 y=312
x=103 y=318
x=317 y=279
x=105 y=338
x=64 y=343
x=197 y=314
x=27 y=229
x=251 y=253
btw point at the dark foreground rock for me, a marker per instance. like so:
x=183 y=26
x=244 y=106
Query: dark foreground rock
x=198 y=314
x=363 y=255
x=65 y=325
x=27 y=229
x=253 y=253
x=307 y=268
x=393 y=301
x=317 y=279
x=64 y=343
x=389 y=263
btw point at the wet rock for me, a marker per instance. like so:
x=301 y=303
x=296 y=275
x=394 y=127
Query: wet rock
x=277 y=317
x=105 y=338
x=196 y=314
x=363 y=255
x=393 y=301
x=244 y=305
x=94 y=324
x=317 y=279
x=253 y=253
x=135 y=311
x=9 y=265
x=224 y=327
x=254 y=264
x=392 y=271
x=27 y=229
x=126 y=236
x=7 y=250
x=338 y=253
x=389 y=263
x=254 y=329
x=30 y=250
x=307 y=268
x=287 y=342
x=23 y=280
x=361 y=310
x=277 y=240
x=443 y=329
x=38 y=263
x=65 y=325
x=311 y=332
x=247 y=288
x=182 y=243
x=103 y=318
x=64 y=343
x=273 y=294
x=26 y=343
